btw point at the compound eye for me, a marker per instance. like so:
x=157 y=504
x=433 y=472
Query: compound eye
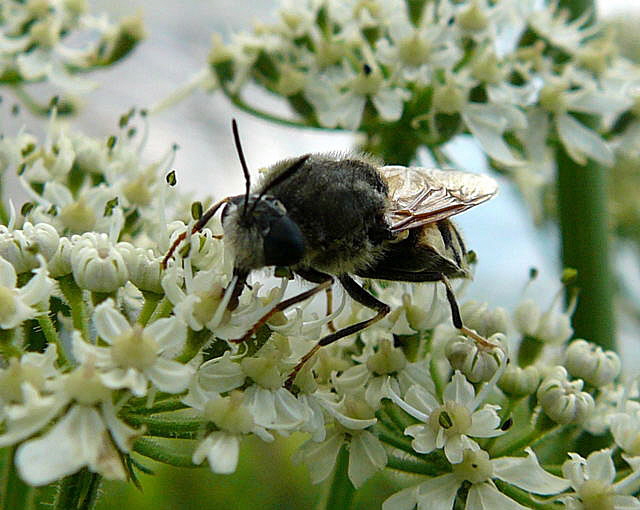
x=284 y=243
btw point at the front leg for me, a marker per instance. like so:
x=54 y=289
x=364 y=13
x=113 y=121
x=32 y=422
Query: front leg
x=361 y=296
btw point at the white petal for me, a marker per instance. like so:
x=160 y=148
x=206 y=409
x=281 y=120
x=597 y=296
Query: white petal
x=625 y=502
x=366 y=456
x=526 y=473
x=600 y=466
x=389 y=103
x=122 y=434
x=488 y=131
x=424 y=440
x=118 y=378
x=8 y=276
x=483 y=496
x=28 y=418
x=170 y=376
x=459 y=390
x=351 y=111
x=405 y=499
x=320 y=457
x=170 y=334
x=109 y=322
x=421 y=399
x=438 y=493
x=63 y=450
x=485 y=423
x=38 y=289
x=579 y=141
x=221 y=374
x=223 y=452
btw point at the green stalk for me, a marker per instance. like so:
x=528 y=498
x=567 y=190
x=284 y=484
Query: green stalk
x=156 y=451
x=151 y=300
x=78 y=491
x=341 y=490
x=16 y=494
x=582 y=211
x=50 y=333
x=74 y=296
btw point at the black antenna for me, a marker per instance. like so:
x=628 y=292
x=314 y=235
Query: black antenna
x=282 y=177
x=245 y=170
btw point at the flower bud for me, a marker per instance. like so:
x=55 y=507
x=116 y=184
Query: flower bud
x=486 y=322
x=519 y=382
x=143 y=267
x=589 y=362
x=60 y=263
x=476 y=362
x=473 y=18
x=21 y=247
x=527 y=317
x=97 y=265
x=562 y=400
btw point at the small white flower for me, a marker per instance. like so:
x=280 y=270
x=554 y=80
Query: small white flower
x=593 y=482
x=478 y=470
x=366 y=453
x=98 y=265
x=136 y=356
x=589 y=362
x=233 y=420
x=452 y=423
x=562 y=400
x=89 y=434
x=21 y=247
x=20 y=304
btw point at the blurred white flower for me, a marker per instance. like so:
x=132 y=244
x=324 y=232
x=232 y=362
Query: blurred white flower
x=136 y=356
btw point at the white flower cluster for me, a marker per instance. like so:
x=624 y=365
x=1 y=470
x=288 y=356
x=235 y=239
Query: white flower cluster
x=36 y=42
x=518 y=76
x=132 y=350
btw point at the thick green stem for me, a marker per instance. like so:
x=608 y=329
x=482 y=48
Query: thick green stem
x=582 y=210
x=16 y=493
x=78 y=492
x=156 y=451
x=75 y=297
x=341 y=490
x=52 y=337
x=151 y=300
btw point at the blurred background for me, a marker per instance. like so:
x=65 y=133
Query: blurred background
x=177 y=45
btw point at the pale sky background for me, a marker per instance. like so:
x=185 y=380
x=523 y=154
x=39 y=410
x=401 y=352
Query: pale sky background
x=179 y=35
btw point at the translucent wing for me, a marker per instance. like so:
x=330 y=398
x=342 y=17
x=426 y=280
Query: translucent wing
x=426 y=195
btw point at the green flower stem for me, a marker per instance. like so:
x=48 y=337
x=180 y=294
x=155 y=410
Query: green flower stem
x=151 y=300
x=162 y=310
x=408 y=465
x=78 y=491
x=582 y=209
x=16 y=494
x=341 y=490
x=74 y=296
x=167 y=427
x=160 y=407
x=240 y=103
x=524 y=498
x=385 y=418
x=156 y=451
x=50 y=333
x=542 y=428
x=398 y=442
x=195 y=341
